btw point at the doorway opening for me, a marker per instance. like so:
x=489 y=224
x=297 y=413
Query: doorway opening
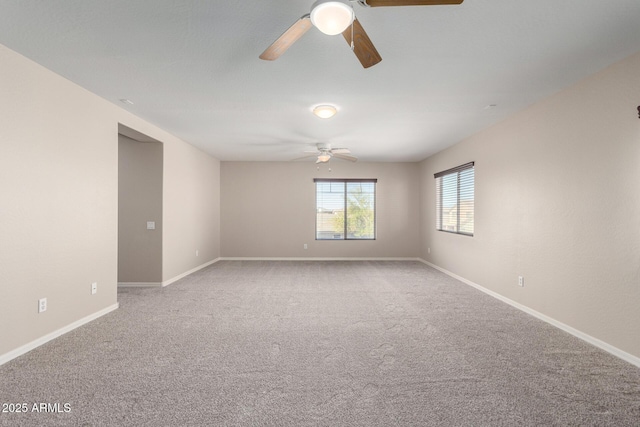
x=140 y=170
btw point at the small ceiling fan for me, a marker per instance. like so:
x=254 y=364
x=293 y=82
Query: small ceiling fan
x=337 y=16
x=324 y=153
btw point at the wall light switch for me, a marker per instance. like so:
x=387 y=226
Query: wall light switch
x=151 y=225
x=94 y=288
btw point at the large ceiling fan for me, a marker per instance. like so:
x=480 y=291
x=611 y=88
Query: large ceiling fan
x=324 y=153
x=337 y=16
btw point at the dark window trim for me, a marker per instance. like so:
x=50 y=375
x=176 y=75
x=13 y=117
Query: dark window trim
x=344 y=180
x=456 y=169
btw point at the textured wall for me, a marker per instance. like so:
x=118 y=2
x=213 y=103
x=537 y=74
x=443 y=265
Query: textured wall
x=558 y=202
x=58 y=215
x=268 y=209
x=59 y=187
x=191 y=209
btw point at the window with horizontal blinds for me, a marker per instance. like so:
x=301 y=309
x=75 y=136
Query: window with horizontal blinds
x=455 y=198
x=345 y=209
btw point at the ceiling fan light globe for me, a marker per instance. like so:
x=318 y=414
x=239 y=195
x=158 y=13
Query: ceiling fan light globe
x=331 y=16
x=323 y=158
x=325 y=111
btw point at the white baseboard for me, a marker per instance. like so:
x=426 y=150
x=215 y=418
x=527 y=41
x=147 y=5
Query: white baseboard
x=186 y=273
x=166 y=282
x=318 y=259
x=139 y=284
x=575 y=332
x=55 y=334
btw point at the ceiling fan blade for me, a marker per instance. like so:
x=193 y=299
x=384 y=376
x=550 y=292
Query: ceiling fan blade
x=287 y=39
x=345 y=157
x=340 y=151
x=305 y=157
x=362 y=45
x=377 y=3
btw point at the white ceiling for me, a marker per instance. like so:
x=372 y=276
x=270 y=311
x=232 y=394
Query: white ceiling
x=192 y=68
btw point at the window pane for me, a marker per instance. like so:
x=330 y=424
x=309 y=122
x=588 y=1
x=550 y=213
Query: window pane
x=360 y=210
x=450 y=202
x=439 y=203
x=455 y=200
x=345 y=209
x=330 y=210
x=466 y=201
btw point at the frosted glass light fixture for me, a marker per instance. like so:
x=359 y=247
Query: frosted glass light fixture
x=331 y=16
x=325 y=111
x=323 y=158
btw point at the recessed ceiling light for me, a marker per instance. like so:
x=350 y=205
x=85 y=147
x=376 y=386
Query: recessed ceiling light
x=325 y=111
x=126 y=101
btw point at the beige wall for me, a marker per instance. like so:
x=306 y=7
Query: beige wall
x=59 y=201
x=191 y=210
x=558 y=202
x=139 y=201
x=268 y=209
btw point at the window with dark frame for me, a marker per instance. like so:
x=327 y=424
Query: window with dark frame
x=345 y=209
x=455 y=198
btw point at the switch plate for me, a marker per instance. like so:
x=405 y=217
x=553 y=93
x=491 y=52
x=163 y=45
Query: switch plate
x=197 y=252
x=305 y=246
x=42 y=305
x=520 y=281
x=151 y=225
x=94 y=288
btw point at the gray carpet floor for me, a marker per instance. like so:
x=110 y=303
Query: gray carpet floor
x=253 y=343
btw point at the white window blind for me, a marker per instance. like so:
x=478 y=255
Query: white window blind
x=455 y=199
x=345 y=209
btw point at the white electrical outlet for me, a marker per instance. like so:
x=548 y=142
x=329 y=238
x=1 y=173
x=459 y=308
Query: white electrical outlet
x=520 y=281
x=305 y=246
x=42 y=305
x=94 y=288
x=428 y=250
x=197 y=252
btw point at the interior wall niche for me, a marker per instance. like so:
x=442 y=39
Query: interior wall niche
x=140 y=161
